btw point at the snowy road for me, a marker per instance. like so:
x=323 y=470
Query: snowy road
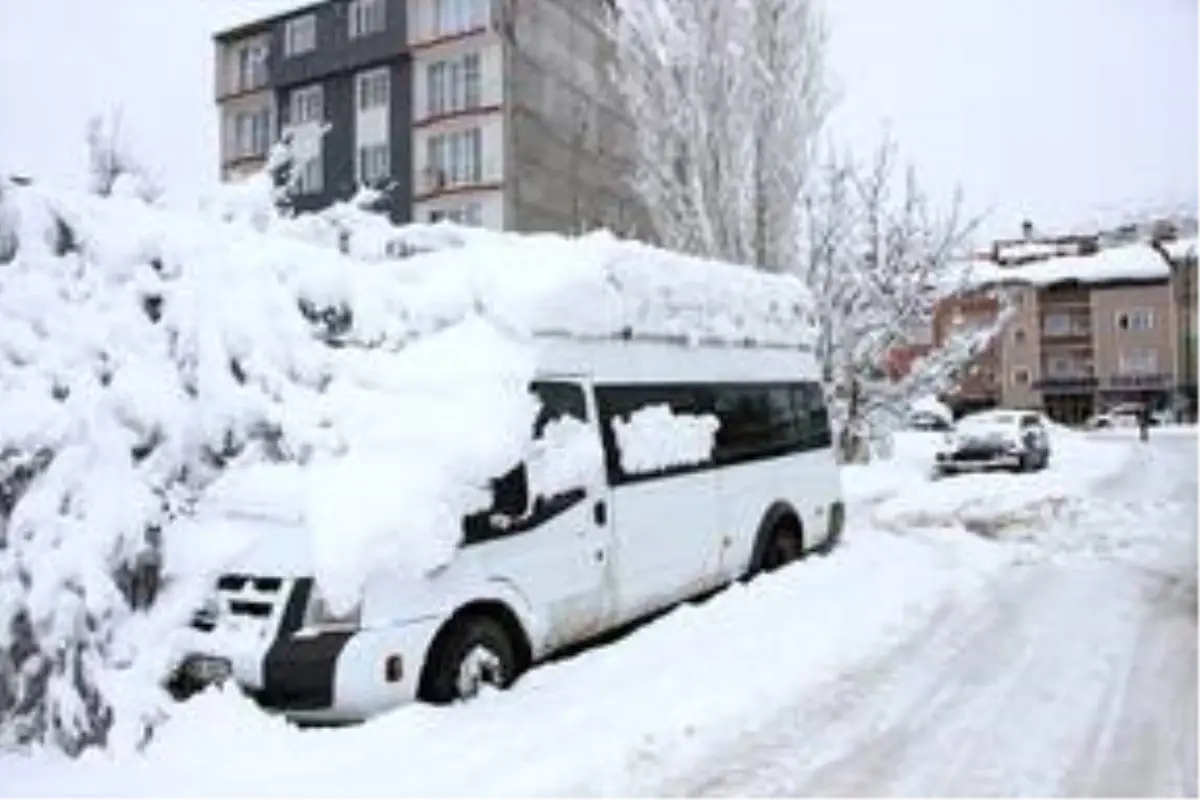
x=1074 y=675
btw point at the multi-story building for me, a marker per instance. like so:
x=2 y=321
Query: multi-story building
x=488 y=112
x=1181 y=254
x=1092 y=332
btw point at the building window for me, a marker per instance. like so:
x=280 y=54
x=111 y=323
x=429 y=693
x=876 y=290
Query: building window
x=374 y=89
x=249 y=66
x=251 y=131
x=459 y=16
x=367 y=17
x=1019 y=336
x=1138 y=362
x=1020 y=376
x=307 y=105
x=300 y=35
x=374 y=163
x=1141 y=319
x=310 y=176
x=454 y=85
x=455 y=158
x=467 y=214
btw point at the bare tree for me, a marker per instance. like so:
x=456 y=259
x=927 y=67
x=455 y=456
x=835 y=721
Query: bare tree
x=111 y=161
x=727 y=99
x=879 y=259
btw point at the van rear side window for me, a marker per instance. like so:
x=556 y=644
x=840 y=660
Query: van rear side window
x=757 y=420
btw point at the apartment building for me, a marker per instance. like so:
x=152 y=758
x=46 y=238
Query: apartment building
x=487 y=112
x=1181 y=253
x=1091 y=332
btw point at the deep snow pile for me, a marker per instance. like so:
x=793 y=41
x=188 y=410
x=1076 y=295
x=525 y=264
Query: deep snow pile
x=601 y=723
x=155 y=365
x=1006 y=505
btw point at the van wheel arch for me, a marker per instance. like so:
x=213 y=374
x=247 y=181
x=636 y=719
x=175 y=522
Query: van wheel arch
x=492 y=610
x=779 y=515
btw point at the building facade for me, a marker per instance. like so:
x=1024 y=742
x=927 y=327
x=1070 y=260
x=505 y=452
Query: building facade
x=1077 y=346
x=487 y=112
x=1181 y=254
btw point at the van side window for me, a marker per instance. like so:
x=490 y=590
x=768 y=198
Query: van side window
x=809 y=401
x=755 y=421
x=619 y=402
x=511 y=491
x=558 y=400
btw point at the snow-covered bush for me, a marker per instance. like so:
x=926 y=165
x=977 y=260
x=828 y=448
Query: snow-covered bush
x=155 y=366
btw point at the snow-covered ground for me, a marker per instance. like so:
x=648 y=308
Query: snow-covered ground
x=1053 y=654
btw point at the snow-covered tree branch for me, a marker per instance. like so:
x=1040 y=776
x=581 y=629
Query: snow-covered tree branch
x=879 y=259
x=727 y=100
x=113 y=168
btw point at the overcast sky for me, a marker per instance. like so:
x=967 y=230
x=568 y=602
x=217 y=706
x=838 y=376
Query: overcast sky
x=1059 y=110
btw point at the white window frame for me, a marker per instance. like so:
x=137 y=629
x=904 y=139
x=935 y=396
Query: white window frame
x=307 y=105
x=300 y=35
x=366 y=17
x=249 y=65
x=372 y=89
x=454 y=84
x=373 y=163
x=1142 y=361
x=452 y=17
x=1143 y=316
x=470 y=213
x=457 y=155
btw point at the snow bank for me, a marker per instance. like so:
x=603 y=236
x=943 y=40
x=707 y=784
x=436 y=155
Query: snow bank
x=909 y=465
x=654 y=438
x=1128 y=262
x=1007 y=505
x=629 y=711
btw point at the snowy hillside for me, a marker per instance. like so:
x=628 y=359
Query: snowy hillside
x=154 y=366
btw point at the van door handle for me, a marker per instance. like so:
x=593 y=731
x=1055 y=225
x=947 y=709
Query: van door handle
x=600 y=513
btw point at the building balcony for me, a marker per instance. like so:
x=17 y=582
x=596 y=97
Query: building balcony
x=1153 y=380
x=1066 y=384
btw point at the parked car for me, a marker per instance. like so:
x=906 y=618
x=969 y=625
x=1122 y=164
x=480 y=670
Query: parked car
x=927 y=421
x=998 y=439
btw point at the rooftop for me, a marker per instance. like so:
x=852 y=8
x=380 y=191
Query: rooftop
x=255 y=16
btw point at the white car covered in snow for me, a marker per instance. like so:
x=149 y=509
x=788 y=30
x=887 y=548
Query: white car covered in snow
x=998 y=439
x=656 y=471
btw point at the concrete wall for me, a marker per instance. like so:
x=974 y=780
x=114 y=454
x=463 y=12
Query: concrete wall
x=570 y=144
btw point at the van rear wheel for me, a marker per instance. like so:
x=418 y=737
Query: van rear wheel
x=474 y=652
x=783 y=547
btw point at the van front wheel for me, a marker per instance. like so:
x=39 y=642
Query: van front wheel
x=475 y=652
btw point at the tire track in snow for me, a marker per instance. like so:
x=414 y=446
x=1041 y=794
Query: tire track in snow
x=1074 y=676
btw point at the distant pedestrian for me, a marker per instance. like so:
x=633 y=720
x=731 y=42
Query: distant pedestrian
x=1144 y=423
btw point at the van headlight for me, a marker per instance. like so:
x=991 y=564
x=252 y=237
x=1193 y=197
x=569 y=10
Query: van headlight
x=319 y=615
